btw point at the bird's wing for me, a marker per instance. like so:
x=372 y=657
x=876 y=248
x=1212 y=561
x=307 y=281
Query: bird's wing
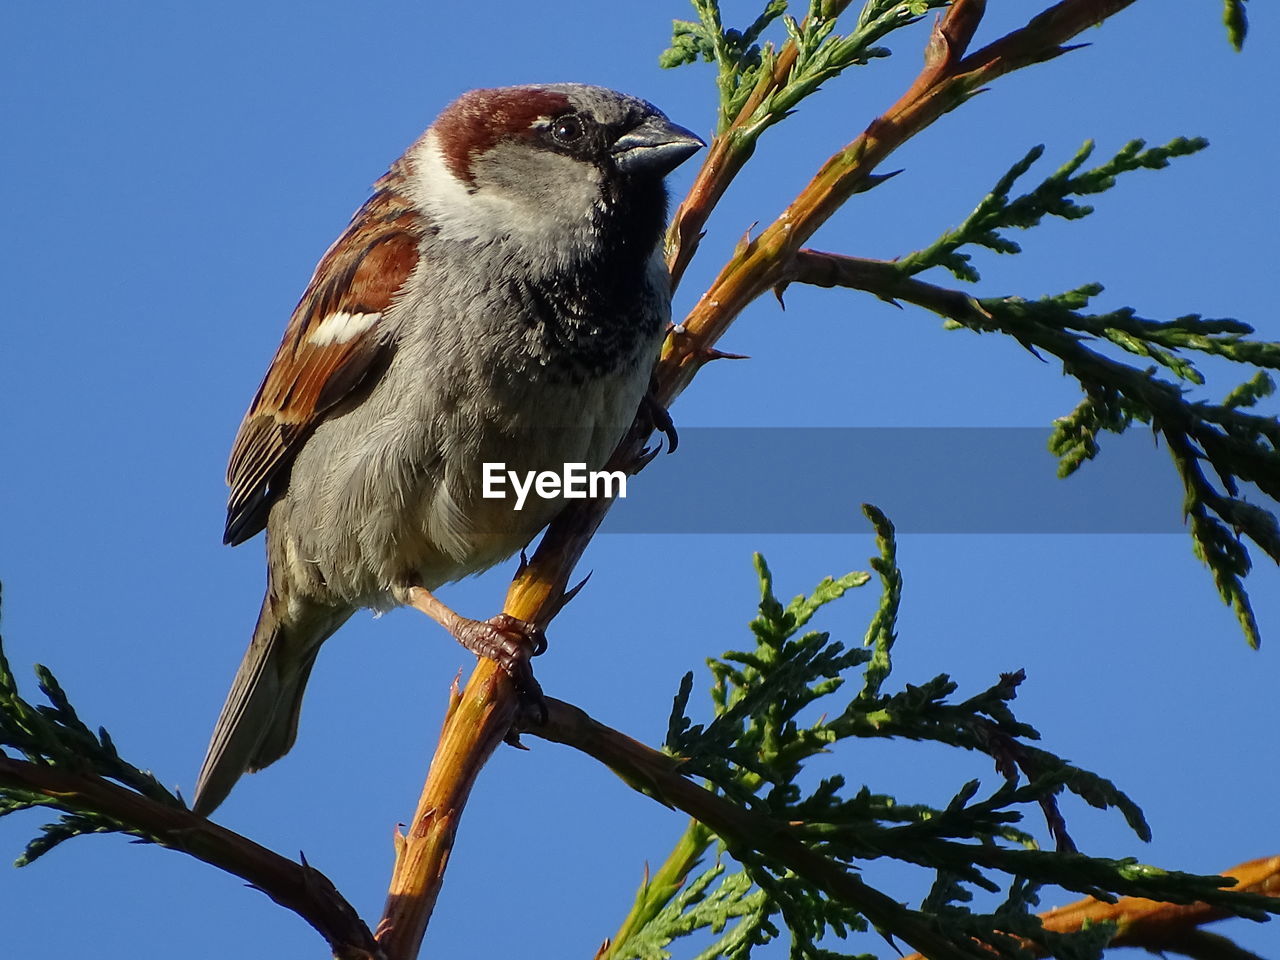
x=334 y=344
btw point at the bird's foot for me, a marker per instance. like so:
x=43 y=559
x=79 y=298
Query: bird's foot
x=508 y=642
x=511 y=644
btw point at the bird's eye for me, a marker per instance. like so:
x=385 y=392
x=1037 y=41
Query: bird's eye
x=567 y=129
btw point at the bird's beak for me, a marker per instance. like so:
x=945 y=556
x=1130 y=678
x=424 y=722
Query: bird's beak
x=656 y=147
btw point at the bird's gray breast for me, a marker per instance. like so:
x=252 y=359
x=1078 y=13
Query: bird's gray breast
x=529 y=372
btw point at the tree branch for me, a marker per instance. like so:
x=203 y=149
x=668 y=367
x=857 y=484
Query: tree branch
x=1236 y=445
x=297 y=886
x=947 y=80
x=658 y=775
x=1140 y=922
x=1154 y=925
x=727 y=154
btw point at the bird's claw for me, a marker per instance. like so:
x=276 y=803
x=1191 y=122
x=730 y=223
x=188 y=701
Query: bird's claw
x=502 y=639
x=511 y=644
x=660 y=417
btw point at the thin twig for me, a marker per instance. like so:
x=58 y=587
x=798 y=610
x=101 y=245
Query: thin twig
x=297 y=886
x=725 y=158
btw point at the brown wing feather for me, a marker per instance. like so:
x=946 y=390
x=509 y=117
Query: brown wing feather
x=359 y=275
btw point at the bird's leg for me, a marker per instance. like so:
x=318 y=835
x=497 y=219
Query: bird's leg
x=508 y=642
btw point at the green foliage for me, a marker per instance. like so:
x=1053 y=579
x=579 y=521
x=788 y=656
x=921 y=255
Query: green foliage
x=712 y=902
x=1236 y=446
x=1237 y=24
x=707 y=39
x=1239 y=448
x=1053 y=197
x=778 y=705
x=746 y=66
x=54 y=735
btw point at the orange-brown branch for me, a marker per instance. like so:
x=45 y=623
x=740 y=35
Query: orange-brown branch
x=947 y=80
x=476 y=723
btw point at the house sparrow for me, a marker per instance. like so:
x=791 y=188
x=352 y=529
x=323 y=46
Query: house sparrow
x=500 y=297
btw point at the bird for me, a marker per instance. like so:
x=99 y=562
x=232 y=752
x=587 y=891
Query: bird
x=500 y=297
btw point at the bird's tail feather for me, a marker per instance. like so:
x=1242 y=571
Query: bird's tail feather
x=259 y=721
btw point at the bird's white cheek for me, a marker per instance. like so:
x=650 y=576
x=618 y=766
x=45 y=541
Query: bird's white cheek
x=341 y=327
x=548 y=208
x=439 y=192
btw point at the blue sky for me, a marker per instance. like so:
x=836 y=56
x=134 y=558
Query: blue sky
x=172 y=173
